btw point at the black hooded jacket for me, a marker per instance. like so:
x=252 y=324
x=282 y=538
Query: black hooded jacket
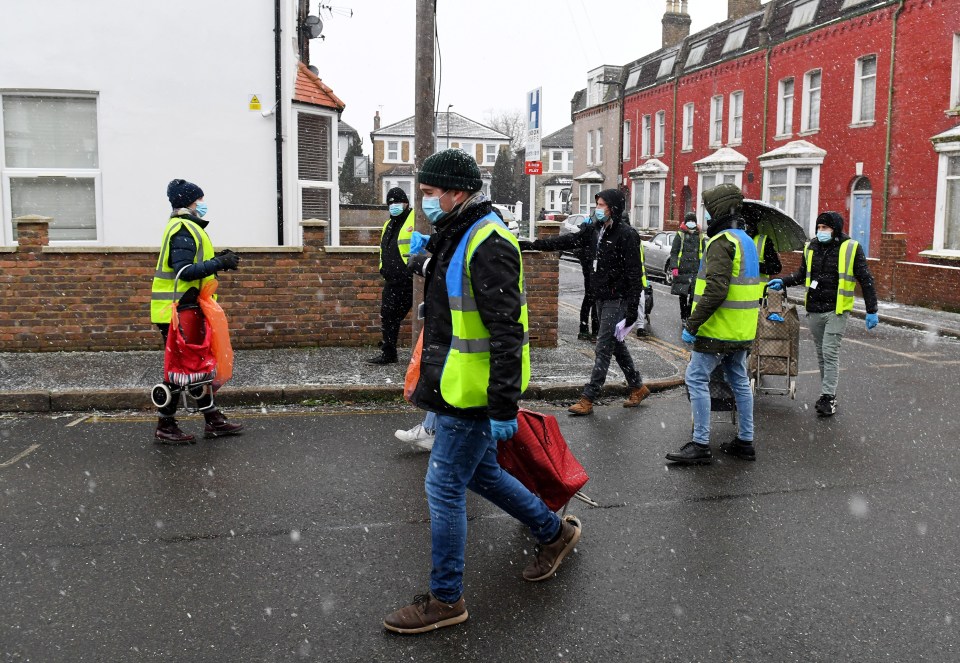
x=393 y=269
x=495 y=277
x=824 y=269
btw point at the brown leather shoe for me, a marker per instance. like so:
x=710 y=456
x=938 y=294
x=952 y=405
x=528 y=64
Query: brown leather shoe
x=637 y=394
x=168 y=432
x=426 y=613
x=549 y=555
x=581 y=407
x=218 y=426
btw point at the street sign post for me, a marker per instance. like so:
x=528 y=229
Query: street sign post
x=533 y=151
x=533 y=168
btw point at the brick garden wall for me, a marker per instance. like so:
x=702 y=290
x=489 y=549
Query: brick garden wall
x=98 y=298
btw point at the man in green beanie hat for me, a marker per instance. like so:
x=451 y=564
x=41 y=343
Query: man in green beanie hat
x=474 y=366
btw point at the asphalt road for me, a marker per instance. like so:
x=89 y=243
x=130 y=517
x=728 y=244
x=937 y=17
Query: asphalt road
x=291 y=542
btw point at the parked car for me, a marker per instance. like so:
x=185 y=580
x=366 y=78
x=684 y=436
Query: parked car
x=571 y=224
x=509 y=218
x=656 y=255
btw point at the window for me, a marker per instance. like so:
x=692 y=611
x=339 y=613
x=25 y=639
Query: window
x=696 y=54
x=803 y=13
x=587 y=192
x=851 y=3
x=810 y=107
x=467 y=147
x=735 y=38
x=792 y=190
x=946 y=225
x=393 y=151
x=736 y=118
x=785 y=108
x=955 y=74
x=51 y=164
x=951 y=224
x=626 y=140
x=560 y=161
x=865 y=90
x=661 y=125
x=590 y=160
x=648 y=203
x=666 y=66
x=688 y=126
x=716 y=121
x=645 y=137
x=490 y=154
x=599 y=145
x=405 y=184
x=633 y=78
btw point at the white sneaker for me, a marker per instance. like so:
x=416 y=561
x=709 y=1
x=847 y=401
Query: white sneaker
x=417 y=436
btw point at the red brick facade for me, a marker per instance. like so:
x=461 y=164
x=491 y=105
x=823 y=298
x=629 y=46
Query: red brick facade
x=96 y=298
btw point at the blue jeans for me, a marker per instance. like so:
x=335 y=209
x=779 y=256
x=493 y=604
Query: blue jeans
x=430 y=423
x=697 y=377
x=464 y=456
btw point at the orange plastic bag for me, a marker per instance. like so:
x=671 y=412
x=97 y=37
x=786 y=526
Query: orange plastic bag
x=220 y=343
x=413 y=370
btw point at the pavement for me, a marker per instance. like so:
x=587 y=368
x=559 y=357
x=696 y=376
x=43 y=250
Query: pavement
x=103 y=381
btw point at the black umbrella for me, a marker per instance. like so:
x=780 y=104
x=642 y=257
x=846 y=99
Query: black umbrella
x=785 y=233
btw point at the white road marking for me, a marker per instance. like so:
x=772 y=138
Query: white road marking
x=77 y=421
x=23 y=454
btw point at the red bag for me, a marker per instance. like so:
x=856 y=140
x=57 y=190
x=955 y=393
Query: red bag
x=188 y=357
x=540 y=459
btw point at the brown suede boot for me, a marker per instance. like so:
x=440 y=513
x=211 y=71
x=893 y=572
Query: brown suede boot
x=549 y=555
x=426 y=613
x=637 y=394
x=168 y=432
x=218 y=426
x=581 y=407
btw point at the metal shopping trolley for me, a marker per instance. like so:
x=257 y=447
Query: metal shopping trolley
x=773 y=358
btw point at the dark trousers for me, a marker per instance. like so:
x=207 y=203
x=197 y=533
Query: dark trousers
x=589 y=318
x=203 y=402
x=395 y=304
x=612 y=311
x=686 y=303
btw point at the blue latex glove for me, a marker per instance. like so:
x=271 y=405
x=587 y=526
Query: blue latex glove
x=417 y=242
x=688 y=337
x=775 y=284
x=775 y=317
x=503 y=430
x=872 y=320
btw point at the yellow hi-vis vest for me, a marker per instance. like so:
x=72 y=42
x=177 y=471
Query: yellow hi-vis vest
x=699 y=248
x=736 y=319
x=403 y=237
x=847 y=283
x=643 y=267
x=466 y=371
x=163 y=296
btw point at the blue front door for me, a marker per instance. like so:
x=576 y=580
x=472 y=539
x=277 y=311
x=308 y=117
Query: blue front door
x=860 y=220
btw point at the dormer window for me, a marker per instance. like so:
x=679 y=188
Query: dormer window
x=736 y=37
x=851 y=3
x=633 y=78
x=802 y=15
x=666 y=65
x=696 y=54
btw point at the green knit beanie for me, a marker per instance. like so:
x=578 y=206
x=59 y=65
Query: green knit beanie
x=451 y=169
x=722 y=200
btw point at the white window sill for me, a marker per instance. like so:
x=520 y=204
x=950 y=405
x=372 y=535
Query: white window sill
x=862 y=125
x=952 y=112
x=735 y=143
x=687 y=149
x=783 y=136
x=715 y=146
x=658 y=154
x=809 y=132
x=941 y=254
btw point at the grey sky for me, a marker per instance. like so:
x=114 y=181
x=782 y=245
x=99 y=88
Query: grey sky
x=492 y=52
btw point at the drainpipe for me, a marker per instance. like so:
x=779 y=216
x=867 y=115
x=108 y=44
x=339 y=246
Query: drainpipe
x=278 y=115
x=886 y=154
x=673 y=151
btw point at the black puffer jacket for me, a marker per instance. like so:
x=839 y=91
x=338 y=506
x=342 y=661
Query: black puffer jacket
x=687 y=261
x=824 y=269
x=495 y=276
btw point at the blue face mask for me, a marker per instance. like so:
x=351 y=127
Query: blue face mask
x=396 y=209
x=706 y=216
x=599 y=214
x=824 y=235
x=201 y=209
x=431 y=207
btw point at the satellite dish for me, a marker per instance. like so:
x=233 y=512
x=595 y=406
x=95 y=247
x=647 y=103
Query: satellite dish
x=312 y=27
x=314 y=70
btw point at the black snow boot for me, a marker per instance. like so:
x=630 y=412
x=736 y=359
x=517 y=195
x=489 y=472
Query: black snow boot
x=826 y=406
x=218 y=426
x=387 y=355
x=168 y=432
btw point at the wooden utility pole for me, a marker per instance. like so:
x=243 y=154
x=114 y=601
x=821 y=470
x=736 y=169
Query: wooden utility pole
x=424 y=122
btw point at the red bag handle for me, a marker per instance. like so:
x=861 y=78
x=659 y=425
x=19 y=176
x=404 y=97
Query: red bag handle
x=543 y=423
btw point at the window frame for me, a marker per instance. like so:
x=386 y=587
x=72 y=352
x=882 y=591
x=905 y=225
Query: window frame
x=12 y=173
x=699 y=50
x=599 y=146
x=641 y=208
x=797 y=20
x=955 y=75
x=398 y=150
x=487 y=161
x=735 y=38
x=858 y=87
x=647 y=122
x=688 y=115
x=735 y=130
x=790 y=193
x=785 y=107
x=666 y=65
x=807 y=105
x=626 y=140
x=587 y=204
x=716 y=121
x=660 y=133
x=590 y=161
x=945 y=151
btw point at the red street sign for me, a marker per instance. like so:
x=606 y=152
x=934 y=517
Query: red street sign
x=533 y=168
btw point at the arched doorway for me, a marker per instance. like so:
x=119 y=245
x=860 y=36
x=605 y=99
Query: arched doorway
x=861 y=196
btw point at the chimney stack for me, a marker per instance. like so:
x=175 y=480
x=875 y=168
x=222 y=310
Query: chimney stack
x=740 y=8
x=376 y=120
x=676 y=23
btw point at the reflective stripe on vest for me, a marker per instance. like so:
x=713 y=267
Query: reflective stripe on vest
x=163 y=295
x=736 y=319
x=466 y=370
x=643 y=266
x=761 y=243
x=846 y=283
x=403 y=237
